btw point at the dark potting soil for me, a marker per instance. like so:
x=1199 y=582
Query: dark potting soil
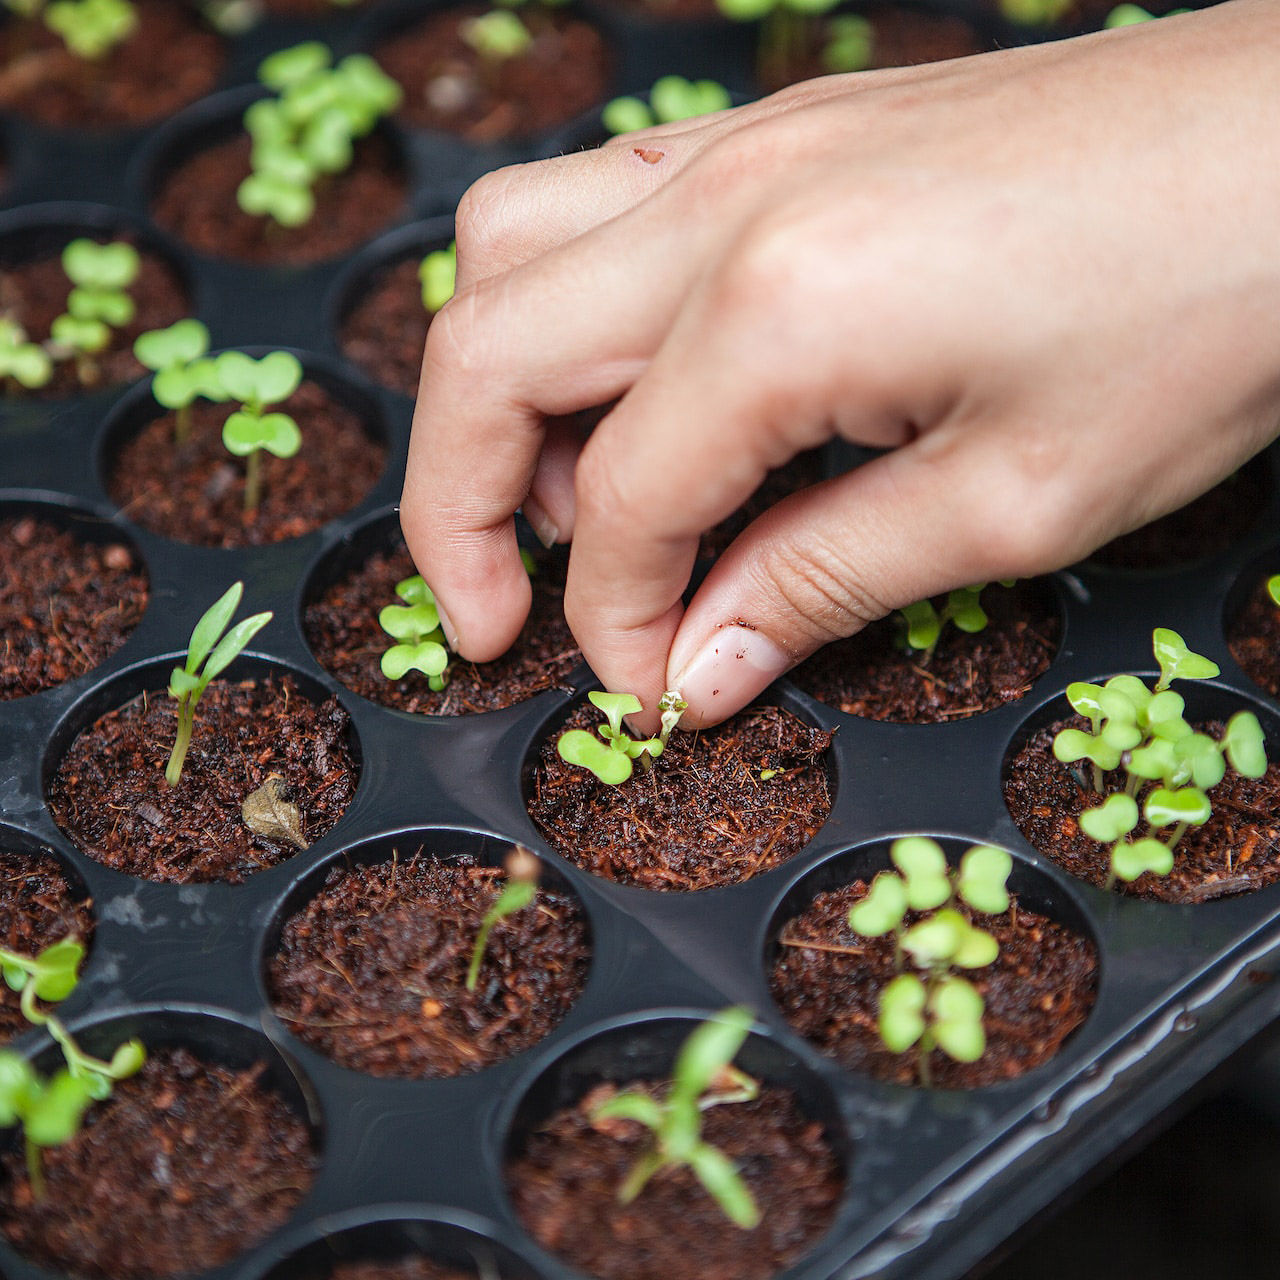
x=372 y=971
x=701 y=816
x=1207 y=526
x=564 y=71
x=385 y=331
x=37 y=909
x=141 y=79
x=109 y=793
x=343 y=632
x=1253 y=637
x=185 y=1167
x=871 y=675
x=310 y=8
x=901 y=38
x=197 y=201
x=399 y=1269
x=803 y=470
x=35 y=294
x=1236 y=851
x=565 y=1184
x=194 y=492
x=669 y=10
x=65 y=605
x=827 y=981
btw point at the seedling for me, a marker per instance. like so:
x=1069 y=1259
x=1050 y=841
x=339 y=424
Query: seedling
x=672 y=98
x=1168 y=765
x=50 y=1111
x=704 y=1076
x=613 y=759
x=89 y=28
x=22 y=363
x=183 y=370
x=496 y=36
x=1127 y=15
x=207 y=657
x=1030 y=13
x=788 y=30
x=519 y=892
x=415 y=625
x=941 y=1010
x=100 y=275
x=256 y=384
x=1273 y=588
x=438 y=273
x=922 y=624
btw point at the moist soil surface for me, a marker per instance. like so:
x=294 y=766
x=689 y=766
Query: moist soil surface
x=1254 y=638
x=1205 y=527
x=564 y=1187
x=141 y=79
x=343 y=632
x=185 y=1167
x=1040 y=988
x=35 y=294
x=385 y=331
x=871 y=675
x=372 y=972
x=803 y=470
x=65 y=605
x=901 y=38
x=701 y=816
x=109 y=793
x=563 y=72
x=194 y=492
x=37 y=909
x=399 y=1269
x=1236 y=851
x=197 y=201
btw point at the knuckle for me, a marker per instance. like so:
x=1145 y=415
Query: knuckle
x=818 y=588
x=602 y=495
x=486 y=216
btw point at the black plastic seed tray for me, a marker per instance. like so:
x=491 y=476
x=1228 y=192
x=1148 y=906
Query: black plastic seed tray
x=935 y=1180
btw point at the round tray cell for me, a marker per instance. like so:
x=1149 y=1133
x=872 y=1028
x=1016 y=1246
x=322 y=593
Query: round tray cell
x=200 y=160
x=189 y=1164
x=1206 y=527
x=1251 y=622
x=355 y=581
x=827 y=980
x=1236 y=851
x=34 y=288
x=72 y=588
x=716 y=808
x=171 y=58
x=563 y=1170
x=370 y=959
x=379 y=319
x=874 y=674
x=390 y=1246
x=193 y=490
x=41 y=902
x=263 y=734
x=565 y=69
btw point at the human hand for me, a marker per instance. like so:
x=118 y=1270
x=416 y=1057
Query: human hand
x=1044 y=279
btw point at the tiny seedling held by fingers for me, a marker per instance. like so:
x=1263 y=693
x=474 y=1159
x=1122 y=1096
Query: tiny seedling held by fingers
x=922 y=623
x=523 y=871
x=612 y=755
x=415 y=626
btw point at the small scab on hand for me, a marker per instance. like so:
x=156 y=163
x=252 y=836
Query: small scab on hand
x=648 y=155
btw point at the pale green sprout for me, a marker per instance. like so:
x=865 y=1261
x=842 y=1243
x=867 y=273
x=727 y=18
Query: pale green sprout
x=1034 y=12
x=254 y=385
x=703 y=1077
x=497 y=35
x=415 y=625
x=91 y=28
x=178 y=357
x=850 y=44
x=1127 y=15
x=438 y=274
x=22 y=362
x=612 y=759
x=518 y=893
x=209 y=653
x=1273 y=588
x=672 y=98
x=923 y=624
x=100 y=275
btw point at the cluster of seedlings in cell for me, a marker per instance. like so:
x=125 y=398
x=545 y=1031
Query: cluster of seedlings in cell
x=89 y=28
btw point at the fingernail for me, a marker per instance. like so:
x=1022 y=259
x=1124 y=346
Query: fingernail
x=542 y=525
x=733 y=666
x=450 y=631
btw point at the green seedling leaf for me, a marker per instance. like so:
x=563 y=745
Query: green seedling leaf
x=18 y=1083
x=615 y=707
x=1198 y=760
x=626 y=115
x=90 y=336
x=1070 y=745
x=1273 y=588
x=936 y=940
x=984 y=874
x=924 y=867
x=1034 y=12
x=263 y=195
x=955 y=1014
x=57 y=970
x=1127 y=15
x=232 y=644
x=213 y=622
x=91 y=28
x=179 y=344
x=438 y=273
x=709 y=1049
x=497 y=35
x=516 y=895
x=746 y=10
x=108 y=305
x=901 y=1016
x=1085 y=699
x=1129 y=861
x=409 y=623
x=674 y=98
x=882 y=910
x=100 y=266
x=631 y=1106
x=923 y=625
x=584 y=749
x=977 y=948
x=364 y=82
x=54 y=1114
x=1133 y=689
x=428 y=656
x=1177 y=662
x=326 y=141
x=810 y=7
x=850 y=44
x=1243 y=744
x=723 y=1183
x=1155 y=760
x=964 y=609
x=1164 y=716
x=265 y=123
x=127 y=1060
x=27 y=363
x=414 y=590
x=1107 y=822
x=277 y=433
x=284 y=164
x=1165 y=808
x=293 y=65
x=256 y=383
x=671 y=706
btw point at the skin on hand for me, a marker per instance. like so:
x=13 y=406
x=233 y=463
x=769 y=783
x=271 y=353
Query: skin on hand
x=1044 y=279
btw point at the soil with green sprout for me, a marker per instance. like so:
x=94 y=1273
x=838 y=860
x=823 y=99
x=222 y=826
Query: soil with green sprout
x=415 y=1268
x=197 y=202
x=1208 y=526
x=137 y=81
x=564 y=1187
x=194 y=492
x=385 y=330
x=702 y=816
x=827 y=981
x=372 y=971
x=1253 y=637
x=38 y=907
x=1236 y=851
x=185 y=1167
x=564 y=71
x=803 y=470
x=35 y=293
x=871 y=674
x=109 y=794
x=65 y=605
x=343 y=632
